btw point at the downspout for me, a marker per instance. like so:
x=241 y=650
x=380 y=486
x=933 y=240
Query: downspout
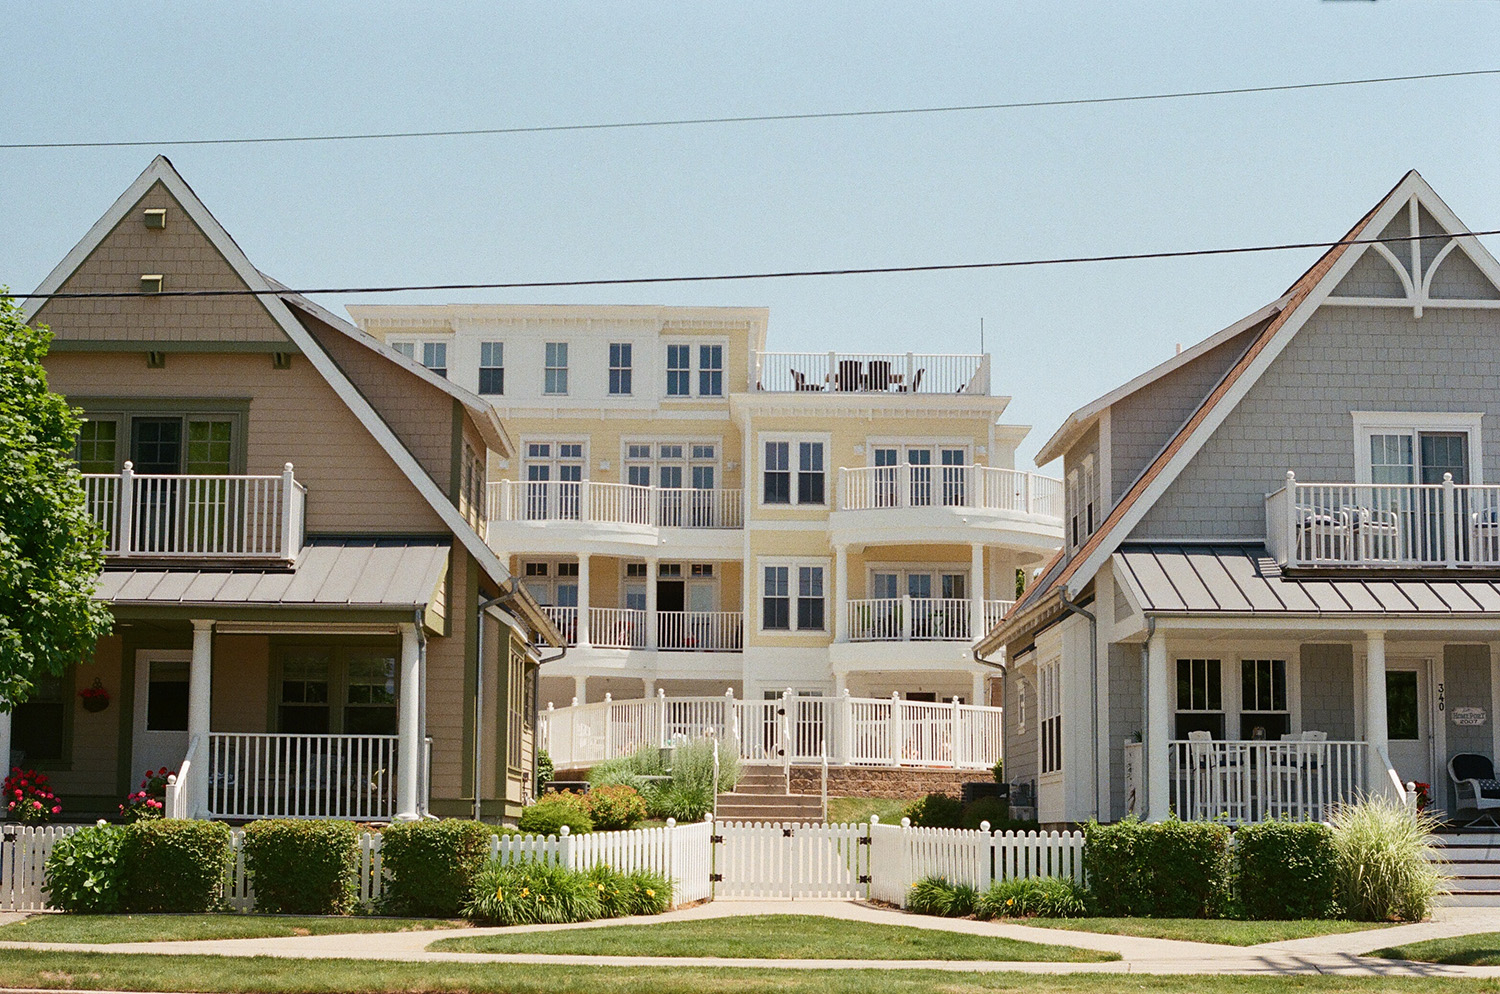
x=1004 y=669
x=424 y=790
x=1062 y=598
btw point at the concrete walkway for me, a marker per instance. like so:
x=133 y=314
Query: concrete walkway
x=1330 y=954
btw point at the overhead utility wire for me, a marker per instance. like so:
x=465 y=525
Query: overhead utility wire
x=783 y=274
x=756 y=118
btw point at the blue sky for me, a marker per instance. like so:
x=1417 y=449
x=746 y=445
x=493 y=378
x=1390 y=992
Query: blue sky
x=1165 y=175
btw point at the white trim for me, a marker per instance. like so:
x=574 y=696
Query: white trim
x=1367 y=423
x=161 y=169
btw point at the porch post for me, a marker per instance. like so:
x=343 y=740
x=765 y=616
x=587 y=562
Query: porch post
x=1158 y=717
x=408 y=720
x=1377 y=734
x=200 y=703
x=976 y=593
x=580 y=688
x=584 y=640
x=978 y=695
x=841 y=593
x=4 y=745
x=651 y=619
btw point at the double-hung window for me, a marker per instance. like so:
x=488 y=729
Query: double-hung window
x=555 y=373
x=619 y=369
x=809 y=472
x=810 y=602
x=435 y=357
x=1263 y=703
x=793 y=597
x=776 y=604
x=1049 y=703
x=1200 y=697
x=492 y=367
x=679 y=370
x=710 y=370
x=777 y=476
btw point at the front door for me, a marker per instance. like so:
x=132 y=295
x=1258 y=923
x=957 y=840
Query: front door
x=1408 y=723
x=160 y=736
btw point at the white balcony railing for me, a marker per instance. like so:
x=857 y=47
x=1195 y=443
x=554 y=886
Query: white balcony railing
x=910 y=619
x=213 y=517
x=700 y=631
x=871 y=372
x=586 y=501
x=994 y=613
x=565 y=620
x=868 y=488
x=617 y=628
x=1384 y=525
x=261 y=775
x=1251 y=781
x=786 y=729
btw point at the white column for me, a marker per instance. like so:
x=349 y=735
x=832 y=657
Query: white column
x=408 y=721
x=4 y=745
x=1158 y=717
x=1494 y=701
x=580 y=688
x=584 y=640
x=980 y=685
x=1377 y=734
x=840 y=683
x=841 y=593
x=976 y=593
x=651 y=619
x=200 y=705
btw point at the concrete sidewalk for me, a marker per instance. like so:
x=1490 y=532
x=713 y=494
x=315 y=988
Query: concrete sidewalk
x=1330 y=954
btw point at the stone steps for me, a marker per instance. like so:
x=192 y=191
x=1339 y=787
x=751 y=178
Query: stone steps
x=1472 y=862
x=761 y=795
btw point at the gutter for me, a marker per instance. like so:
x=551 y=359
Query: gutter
x=1073 y=608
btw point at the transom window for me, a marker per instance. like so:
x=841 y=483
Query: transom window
x=672 y=465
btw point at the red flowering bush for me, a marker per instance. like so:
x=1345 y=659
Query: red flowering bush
x=29 y=798
x=150 y=800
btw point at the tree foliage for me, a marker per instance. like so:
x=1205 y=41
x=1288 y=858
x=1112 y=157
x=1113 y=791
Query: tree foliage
x=51 y=552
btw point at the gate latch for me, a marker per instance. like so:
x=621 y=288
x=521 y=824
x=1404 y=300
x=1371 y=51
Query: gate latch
x=864 y=840
x=717 y=840
x=864 y=878
x=716 y=878
x=786 y=833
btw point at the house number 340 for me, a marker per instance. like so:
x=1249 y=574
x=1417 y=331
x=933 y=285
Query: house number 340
x=1441 y=702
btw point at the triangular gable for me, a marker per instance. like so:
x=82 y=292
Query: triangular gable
x=162 y=171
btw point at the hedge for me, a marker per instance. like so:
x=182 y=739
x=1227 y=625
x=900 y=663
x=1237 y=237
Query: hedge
x=1169 y=869
x=1287 y=870
x=175 y=865
x=431 y=865
x=303 y=867
x=84 y=872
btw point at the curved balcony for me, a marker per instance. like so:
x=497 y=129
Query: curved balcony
x=558 y=515
x=898 y=504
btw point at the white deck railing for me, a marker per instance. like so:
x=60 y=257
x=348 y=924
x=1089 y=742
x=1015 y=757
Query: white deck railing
x=870 y=488
x=994 y=613
x=1368 y=524
x=589 y=502
x=871 y=372
x=700 y=631
x=786 y=729
x=565 y=620
x=617 y=627
x=1250 y=781
x=219 y=517
x=910 y=619
x=263 y=775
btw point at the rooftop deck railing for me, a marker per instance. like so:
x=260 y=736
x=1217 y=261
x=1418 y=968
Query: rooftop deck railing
x=160 y=516
x=871 y=372
x=866 y=488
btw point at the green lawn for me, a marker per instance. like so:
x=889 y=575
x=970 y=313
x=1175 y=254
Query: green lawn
x=853 y=810
x=271 y=975
x=164 y=928
x=1480 y=949
x=772 y=937
x=1229 y=933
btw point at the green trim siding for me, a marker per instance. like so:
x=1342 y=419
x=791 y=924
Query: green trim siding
x=468 y=776
x=456 y=454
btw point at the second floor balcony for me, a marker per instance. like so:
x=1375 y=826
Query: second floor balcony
x=866 y=372
x=1384 y=525
x=972 y=487
x=631 y=628
x=182 y=517
x=584 y=502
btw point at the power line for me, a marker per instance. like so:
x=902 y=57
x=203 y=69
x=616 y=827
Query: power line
x=771 y=275
x=755 y=118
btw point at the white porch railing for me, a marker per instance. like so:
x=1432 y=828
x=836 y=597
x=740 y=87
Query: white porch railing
x=994 y=613
x=869 y=488
x=263 y=775
x=700 y=631
x=1368 y=524
x=565 y=620
x=586 y=501
x=617 y=627
x=1251 y=781
x=219 y=517
x=912 y=619
x=871 y=372
x=786 y=729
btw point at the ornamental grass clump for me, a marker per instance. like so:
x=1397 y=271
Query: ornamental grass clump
x=687 y=792
x=940 y=897
x=1032 y=897
x=1385 y=864
x=529 y=893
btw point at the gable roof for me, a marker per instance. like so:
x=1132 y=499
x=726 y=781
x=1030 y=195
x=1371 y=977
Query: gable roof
x=1301 y=299
x=162 y=171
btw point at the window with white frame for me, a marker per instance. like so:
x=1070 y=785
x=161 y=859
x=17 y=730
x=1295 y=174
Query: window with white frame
x=619 y=369
x=1089 y=495
x=1074 y=519
x=1264 y=713
x=1049 y=708
x=679 y=370
x=634 y=586
x=793 y=597
x=1416 y=448
x=810 y=473
x=492 y=368
x=710 y=370
x=686 y=358
x=1200 y=697
x=435 y=357
x=553 y=480
x=555 y=372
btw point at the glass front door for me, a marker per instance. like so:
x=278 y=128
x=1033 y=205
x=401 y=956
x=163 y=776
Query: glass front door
x=1407 y=720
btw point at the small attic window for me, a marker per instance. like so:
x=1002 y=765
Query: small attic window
x=155 y=217
x=281 y=360
x=156 y=360
x=151 y=283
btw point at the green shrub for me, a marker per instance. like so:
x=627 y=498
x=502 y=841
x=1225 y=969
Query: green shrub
x=999 y=770
x=302 y=867
x=430 y=865
x=175 y=865
x=684 y=801
x=937 y=896
x=689 y=793
x=612 y=889
x=632 y=771
x=529 y=893
x=1170 y=869
x=995 y=810
x=614 y=807
x=552 y=812
x=647 y=893
x=1041 y=897
x=1384 y=862
x=84 y=872
x=1287 y=870
x=545 y=771
x=935 y=811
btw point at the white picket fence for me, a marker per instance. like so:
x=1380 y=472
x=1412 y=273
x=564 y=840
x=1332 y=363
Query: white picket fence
x=768 y=860
x=901 y=855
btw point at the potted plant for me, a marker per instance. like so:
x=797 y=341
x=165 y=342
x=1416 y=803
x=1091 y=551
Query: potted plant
x=95 y=698
x=29 y=798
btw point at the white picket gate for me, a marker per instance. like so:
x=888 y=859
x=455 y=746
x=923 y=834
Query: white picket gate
x=23 y=854
x=790 y=860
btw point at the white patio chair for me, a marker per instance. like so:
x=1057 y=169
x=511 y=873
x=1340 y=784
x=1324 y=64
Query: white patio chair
x=1325 y=533
x=1484 y=535
x=1475 y=787
x=1205 y=777
x=1379 y=533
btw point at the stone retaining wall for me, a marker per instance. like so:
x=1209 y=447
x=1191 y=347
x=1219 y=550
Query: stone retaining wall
x=866 y=781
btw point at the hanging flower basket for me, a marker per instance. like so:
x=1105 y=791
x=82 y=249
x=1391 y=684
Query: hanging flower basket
x=95 y=698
